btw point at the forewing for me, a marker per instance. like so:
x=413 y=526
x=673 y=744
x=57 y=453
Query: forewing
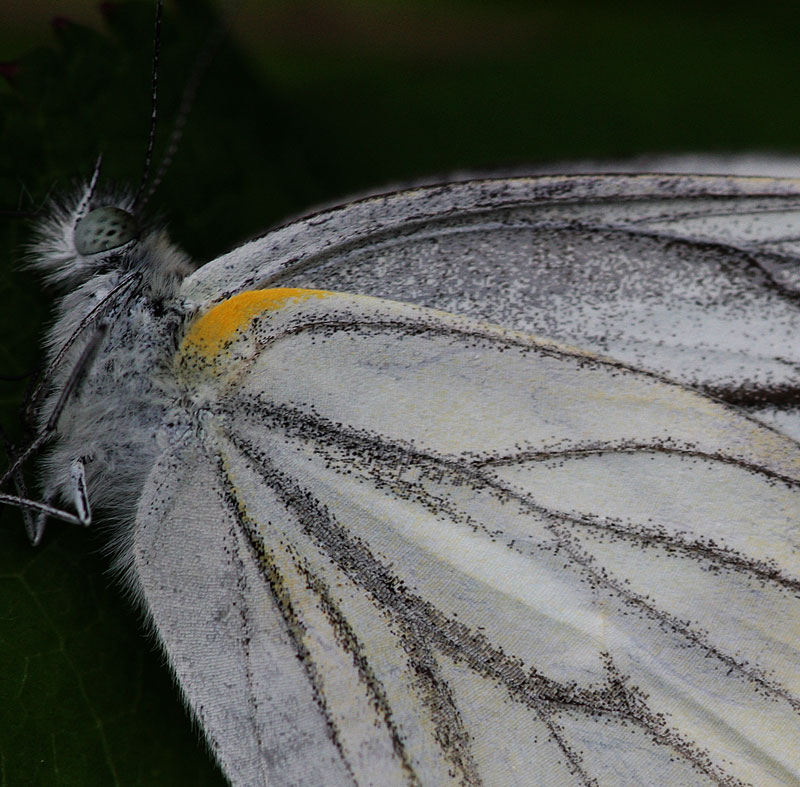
x=693 y=277
x=416 y=549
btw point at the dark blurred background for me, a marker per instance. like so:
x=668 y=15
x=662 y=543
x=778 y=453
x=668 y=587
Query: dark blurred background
x=310 y=100
x=302 y=103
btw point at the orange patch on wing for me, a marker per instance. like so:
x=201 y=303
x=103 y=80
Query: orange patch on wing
x=218 y=326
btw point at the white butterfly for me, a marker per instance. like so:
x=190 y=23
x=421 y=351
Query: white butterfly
x=383 y=544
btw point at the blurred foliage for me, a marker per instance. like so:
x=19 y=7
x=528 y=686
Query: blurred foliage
x=325 y=98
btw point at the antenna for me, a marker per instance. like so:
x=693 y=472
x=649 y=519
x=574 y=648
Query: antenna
x=201 y=63
x=151 y=140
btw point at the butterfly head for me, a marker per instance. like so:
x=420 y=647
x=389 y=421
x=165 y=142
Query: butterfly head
x=102 y=236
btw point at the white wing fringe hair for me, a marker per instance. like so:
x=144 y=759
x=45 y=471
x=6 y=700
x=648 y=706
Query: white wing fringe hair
x=383 y=544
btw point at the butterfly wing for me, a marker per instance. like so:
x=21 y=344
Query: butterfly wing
x=694 y=277
x=403 y=547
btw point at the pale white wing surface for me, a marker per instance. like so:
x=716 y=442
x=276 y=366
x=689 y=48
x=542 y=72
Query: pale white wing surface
x=695 y=277
x=405 y=547
x=223 y=628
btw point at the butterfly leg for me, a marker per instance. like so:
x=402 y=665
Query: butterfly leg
x=19 y=486
x=80 y=495
x=36 y=519
x=35 y=523
x=37 y=513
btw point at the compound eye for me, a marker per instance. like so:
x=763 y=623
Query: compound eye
x=104 y=229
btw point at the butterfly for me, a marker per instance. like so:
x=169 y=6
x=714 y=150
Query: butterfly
x=383 y=539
